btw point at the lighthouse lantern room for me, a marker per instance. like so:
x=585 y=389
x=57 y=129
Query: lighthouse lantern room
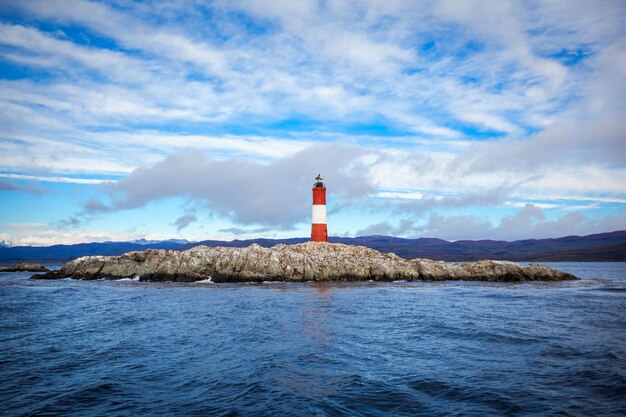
x=319 y=232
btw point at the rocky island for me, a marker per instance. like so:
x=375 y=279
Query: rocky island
x=311 y=261
x=23 y=267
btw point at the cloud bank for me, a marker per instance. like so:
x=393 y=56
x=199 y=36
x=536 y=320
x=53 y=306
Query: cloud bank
x=245 y=191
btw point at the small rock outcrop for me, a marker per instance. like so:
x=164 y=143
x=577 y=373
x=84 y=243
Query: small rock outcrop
x=24 y=267
x=311 y=261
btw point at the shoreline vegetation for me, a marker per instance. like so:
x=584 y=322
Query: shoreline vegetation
x=310 y=261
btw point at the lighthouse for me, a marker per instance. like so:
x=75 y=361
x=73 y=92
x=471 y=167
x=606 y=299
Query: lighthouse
x=319 y=232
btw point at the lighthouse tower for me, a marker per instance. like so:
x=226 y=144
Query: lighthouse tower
x=319 y=232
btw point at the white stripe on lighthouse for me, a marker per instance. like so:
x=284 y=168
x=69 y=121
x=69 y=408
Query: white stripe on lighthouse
x=319 y=214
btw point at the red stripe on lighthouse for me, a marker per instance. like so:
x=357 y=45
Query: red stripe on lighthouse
x=319 y=195
x=319 y=233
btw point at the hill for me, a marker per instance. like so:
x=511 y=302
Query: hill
x=597 y=247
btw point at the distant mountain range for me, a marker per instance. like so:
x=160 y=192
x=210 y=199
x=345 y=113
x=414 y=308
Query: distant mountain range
x=598 y=247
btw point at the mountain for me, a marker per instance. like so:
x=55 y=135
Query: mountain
x=598 y=247
x=145 y=242
x=68 y=252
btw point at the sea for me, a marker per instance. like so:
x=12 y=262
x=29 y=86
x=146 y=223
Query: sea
x=129 y=348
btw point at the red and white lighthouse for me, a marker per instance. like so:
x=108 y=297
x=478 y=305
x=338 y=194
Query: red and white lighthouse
x=319 y=232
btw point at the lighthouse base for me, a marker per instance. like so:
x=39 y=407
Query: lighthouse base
x=319 y=233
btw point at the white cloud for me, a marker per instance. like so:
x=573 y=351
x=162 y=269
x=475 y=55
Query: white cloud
x=403 y=195
x=316 y=45
x=528 y=223
x=130 y=32
x=41 y=234
x=57 y=179
x=64 y=55
x=248 y=192
x=118 y=153
x=365 y=58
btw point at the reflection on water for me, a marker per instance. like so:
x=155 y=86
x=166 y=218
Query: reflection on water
x=308 y=371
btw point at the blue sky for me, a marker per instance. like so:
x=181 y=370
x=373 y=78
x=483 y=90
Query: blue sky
x=123 y=120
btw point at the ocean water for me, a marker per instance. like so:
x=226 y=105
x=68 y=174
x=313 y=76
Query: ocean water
x=104 y=348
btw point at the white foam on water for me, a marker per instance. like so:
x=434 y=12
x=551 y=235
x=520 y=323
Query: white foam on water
x=133 y=278
x=204 y=281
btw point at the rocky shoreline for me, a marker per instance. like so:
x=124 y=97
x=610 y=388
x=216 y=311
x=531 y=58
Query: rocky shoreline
x=311 y=261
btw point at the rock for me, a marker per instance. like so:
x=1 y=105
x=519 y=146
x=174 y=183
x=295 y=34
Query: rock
x=49 y=275
x=311 y=261
x=24 y=267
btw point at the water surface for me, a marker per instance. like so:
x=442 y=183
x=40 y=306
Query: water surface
x=73 y=347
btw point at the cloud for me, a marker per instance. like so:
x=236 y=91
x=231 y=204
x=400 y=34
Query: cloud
x=69 y=180
x=275 y=193
x=600 y=141
x=91 y=208
x=33 y=47
x=589 y=134
x=480 y=198
x=70 y=222
x=382 y=228
x=128 y=31
x=528 y=223
x=95 y=206
x=8 y=186
x=184 y=221
x=41 y=234
x=454 y=227
x=239 y=231
x=324 y=65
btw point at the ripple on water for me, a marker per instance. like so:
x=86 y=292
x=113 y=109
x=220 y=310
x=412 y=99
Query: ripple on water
x=133 y=348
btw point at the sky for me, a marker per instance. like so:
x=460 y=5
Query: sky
x=123 y=120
